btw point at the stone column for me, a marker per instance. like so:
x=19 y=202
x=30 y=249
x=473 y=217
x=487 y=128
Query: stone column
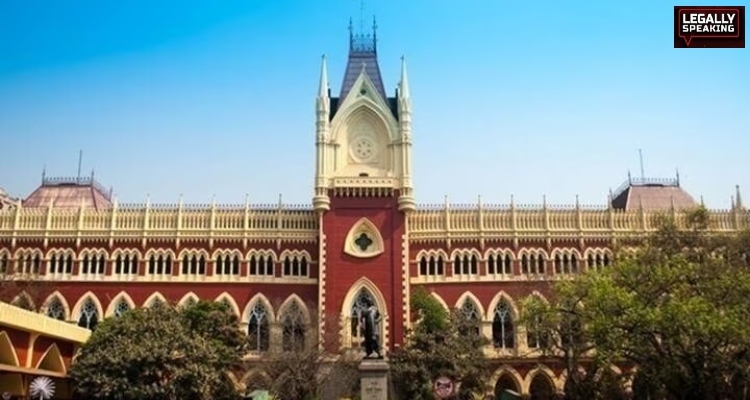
x=373 y=378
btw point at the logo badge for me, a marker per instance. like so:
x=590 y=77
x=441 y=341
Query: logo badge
x=709 y=27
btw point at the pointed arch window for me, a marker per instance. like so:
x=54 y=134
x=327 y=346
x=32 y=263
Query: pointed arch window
x=472 y=320
x=503 y=332
x=261 y=265
x=89 y=317
x=295 y=266
x=536 y=335
x=293 y=328
x=431 y=266
x=56 y=310
x=160 y=265
x=3 y=263
x=227 y=265
x=126 y=264
x=258 y=328
x=121 y=308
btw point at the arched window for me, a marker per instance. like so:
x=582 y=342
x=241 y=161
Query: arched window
x=503 y=333
x=258 y=328
x=362 y=302
x=121 y=308
x=293 y=328
x=470 y=313
x=56 y=310
x=89 y=317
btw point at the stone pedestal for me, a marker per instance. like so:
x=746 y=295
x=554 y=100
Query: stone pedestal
x=373 y=379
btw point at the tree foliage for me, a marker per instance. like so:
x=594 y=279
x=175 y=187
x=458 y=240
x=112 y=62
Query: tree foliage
x=440 y=344
x=675 y=309
x=161 y=353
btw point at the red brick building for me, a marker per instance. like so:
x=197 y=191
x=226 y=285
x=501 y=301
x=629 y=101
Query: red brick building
x=362 y=241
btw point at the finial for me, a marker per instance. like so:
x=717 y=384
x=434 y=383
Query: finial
x=323 y=85
x=179 y=201
x=92 y=175
x=479 y=200
x=247 y=199
x=544 y=200
x=677 y=175
x=148 y=199
x=703 y=204
x=738 y=197
x=630 y=179
x=44 y=173
x=404 y=84
x=280 y=200
x=578 y=204
x=446 y=200
x=512 y=201
x=111 y=191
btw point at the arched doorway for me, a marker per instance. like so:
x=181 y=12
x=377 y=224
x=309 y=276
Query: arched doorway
x=541 y=388
x=506 y=385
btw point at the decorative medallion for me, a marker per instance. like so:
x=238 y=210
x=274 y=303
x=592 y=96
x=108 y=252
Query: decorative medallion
x=364 y=240
x=363 y=149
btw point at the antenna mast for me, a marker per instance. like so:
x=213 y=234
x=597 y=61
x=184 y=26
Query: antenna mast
x=640 y=156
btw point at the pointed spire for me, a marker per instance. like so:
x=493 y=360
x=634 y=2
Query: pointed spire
x=323 y=88
x=404 y=84
x=738 y=197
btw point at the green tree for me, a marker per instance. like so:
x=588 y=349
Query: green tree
x=161 y=353
x=440 y=344
x=675 y=309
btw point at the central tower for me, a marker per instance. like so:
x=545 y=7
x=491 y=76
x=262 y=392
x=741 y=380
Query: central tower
x=363 y=191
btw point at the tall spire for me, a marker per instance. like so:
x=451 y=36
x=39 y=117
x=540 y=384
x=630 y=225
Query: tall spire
x=404 y=84
x=323 y=87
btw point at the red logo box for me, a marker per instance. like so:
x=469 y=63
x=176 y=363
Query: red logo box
x=709 y=27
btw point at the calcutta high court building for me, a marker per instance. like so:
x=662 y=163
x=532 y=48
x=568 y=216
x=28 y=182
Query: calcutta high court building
x=363 y=240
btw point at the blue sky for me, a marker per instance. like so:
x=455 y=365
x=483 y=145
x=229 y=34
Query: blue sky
x=216 y=98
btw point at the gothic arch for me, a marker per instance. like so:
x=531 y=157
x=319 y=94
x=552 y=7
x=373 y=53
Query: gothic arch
x=76 y=314
x=347 y=305
x=364 y=227
x=156 y=296
x=226 y=297
x=226 y=252
x=191 y=252
x=468 y=295
x=233 y=379
x=506 y=370
x=255 y=375
x=364 y=283
x=113 y=304
x=22 y=298
x=362 y=109
x=293 y=253
x=466 y=251
x=259 y=297
x=544 y=372
x=441 y=301
x=262 y=252
x=288 y=302
x=8 y=355
x=501 y=295
x=54 y=251
x=56 y=295
x=52 y=360
x=187 y=298
x=157 y=252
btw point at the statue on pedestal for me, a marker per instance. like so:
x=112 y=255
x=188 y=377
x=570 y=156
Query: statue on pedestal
x=369 y=323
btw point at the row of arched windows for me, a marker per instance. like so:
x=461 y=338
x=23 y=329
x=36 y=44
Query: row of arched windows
x=158 y=263
x=530 y=262
x=293 y=321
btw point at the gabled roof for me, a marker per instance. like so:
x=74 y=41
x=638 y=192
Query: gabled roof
x=69 y=193
x=363 y=55
x=652 y=195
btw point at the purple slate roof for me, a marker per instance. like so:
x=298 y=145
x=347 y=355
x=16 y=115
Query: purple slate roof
x=653 y=194
x=363 y=53
x=69 y=193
